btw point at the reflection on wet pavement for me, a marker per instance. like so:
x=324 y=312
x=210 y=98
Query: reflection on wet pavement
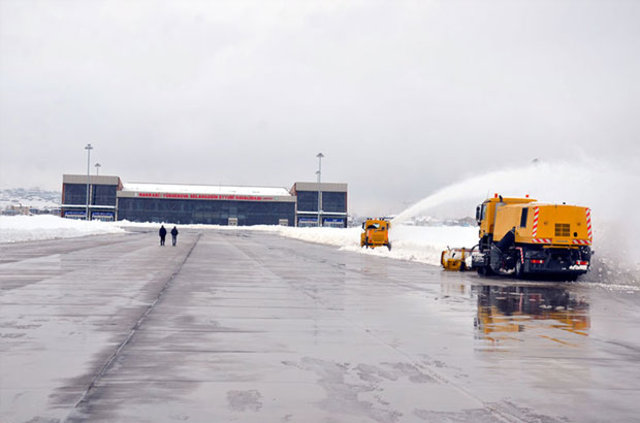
x=506 y=311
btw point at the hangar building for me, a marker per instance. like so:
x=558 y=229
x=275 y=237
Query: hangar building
x=111 y=199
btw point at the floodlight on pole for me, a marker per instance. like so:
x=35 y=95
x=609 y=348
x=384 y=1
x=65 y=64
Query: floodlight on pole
x=319 y=172
x=97 y=166
x=88 y=147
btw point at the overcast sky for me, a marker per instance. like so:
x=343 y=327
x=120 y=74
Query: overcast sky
x=402 y=98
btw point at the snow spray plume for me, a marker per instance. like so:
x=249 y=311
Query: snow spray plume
x=610 y=192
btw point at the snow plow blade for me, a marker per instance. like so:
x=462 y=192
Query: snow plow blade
x=455 y=259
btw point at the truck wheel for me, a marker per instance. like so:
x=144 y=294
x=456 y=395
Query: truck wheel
x=389 y=246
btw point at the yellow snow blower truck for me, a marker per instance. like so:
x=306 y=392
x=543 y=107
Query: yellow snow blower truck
x=375 y=233
x=520 y=237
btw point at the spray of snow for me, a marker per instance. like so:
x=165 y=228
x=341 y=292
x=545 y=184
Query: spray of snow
x=594 y=184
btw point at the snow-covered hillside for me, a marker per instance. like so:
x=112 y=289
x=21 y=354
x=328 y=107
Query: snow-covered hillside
x=30 y=198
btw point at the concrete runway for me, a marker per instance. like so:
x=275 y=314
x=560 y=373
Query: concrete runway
x=243 y=326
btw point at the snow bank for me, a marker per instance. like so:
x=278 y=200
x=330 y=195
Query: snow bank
x=34 y=228
x=416 y=243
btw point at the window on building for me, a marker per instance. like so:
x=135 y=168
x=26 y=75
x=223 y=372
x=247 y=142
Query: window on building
x=331 y=201
x=334 y=202
x=104 y=195
x=307 y=200
x=75 y=194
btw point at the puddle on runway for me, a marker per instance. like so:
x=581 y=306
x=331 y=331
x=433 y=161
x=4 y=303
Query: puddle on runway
x=520 y=313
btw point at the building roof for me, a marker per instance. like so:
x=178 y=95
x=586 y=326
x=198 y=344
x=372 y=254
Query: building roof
x=95 y=179
x=205 y=189
x=313 y=186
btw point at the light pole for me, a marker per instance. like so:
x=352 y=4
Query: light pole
x=319 y=172
x=88 y=147
x=97 y=165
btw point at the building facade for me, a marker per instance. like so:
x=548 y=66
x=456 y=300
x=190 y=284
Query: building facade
x=333 y=210
x=110 y=199
x=102 y=196
x=214 y=205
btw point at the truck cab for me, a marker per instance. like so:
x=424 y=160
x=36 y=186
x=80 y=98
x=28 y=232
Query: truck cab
x=486 y=216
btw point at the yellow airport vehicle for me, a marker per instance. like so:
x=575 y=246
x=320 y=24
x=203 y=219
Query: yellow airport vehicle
x=375 y=233
x=455 y=258
x=520 y=236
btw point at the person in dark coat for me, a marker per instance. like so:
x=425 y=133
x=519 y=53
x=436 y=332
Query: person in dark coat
x=162 y=233
x=174 y=236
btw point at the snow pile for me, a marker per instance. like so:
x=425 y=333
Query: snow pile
x=33 y=228
x=331 y=236
x=425 y=243
x=416 y=243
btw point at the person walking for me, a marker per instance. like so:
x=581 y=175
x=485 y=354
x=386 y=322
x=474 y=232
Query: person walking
x=162 y=233
x=174 y=236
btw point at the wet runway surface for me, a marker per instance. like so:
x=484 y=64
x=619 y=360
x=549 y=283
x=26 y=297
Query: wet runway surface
x=251 y=327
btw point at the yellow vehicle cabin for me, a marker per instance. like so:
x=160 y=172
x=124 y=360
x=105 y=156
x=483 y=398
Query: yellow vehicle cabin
x=375 y=233
x=522 y=236
x=486 y=212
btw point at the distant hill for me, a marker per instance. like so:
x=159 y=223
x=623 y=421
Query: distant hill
x=34 y=198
